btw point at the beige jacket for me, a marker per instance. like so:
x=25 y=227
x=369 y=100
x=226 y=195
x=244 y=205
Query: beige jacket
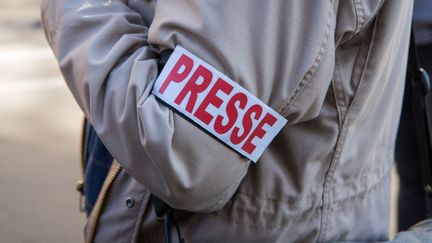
x=334 y=69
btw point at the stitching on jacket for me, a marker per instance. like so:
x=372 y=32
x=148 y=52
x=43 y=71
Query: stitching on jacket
x=289 y=201
x=342 y=203
x=328 y=181
x=339 y=99
x=308 y=213
x=361 y=24
x=364 y=21
x=359 y=10
x=255 y=224
x=302 y=217
x=379 y=172
x=361 y=81
x=312 y=70
x=329 y=177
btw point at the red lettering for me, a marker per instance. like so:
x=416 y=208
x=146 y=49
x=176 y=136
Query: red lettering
x=232 y=113
x=269 y=119
x=194 y=88
x=213 y=99
x=176 y=75
x=247 y=124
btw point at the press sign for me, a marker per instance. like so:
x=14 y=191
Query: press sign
x=217 y=104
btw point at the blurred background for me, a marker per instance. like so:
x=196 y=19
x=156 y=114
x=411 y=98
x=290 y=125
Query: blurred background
x=40 y=127
x=39 y=135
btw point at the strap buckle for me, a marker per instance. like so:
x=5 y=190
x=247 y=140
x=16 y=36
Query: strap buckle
x=80 y=189
x=425 y=82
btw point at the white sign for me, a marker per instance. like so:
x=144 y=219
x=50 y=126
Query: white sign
x=217 y=104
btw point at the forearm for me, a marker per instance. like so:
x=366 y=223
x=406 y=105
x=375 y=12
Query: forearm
x=105 y=58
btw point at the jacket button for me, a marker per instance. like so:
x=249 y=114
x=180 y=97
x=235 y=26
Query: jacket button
x=130 y=202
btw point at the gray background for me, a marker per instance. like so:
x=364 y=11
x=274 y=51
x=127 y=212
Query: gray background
x=39 y=135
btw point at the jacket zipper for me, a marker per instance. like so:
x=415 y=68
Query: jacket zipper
x=101 y=202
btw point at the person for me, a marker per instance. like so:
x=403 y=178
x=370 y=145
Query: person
x=412 y=197
x=334 y=69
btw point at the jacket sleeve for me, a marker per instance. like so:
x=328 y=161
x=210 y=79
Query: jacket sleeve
x=105 y=58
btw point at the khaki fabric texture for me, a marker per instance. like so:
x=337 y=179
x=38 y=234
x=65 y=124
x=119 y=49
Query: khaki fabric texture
x=334 y=69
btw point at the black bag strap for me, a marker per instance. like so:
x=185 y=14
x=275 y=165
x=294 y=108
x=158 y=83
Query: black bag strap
x=419 y=86
x=164 y=212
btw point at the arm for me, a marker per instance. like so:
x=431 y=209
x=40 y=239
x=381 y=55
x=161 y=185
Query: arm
x=105 y=58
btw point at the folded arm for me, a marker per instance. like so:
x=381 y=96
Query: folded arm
x=106 y=60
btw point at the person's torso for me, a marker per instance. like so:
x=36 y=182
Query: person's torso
x=326 y=176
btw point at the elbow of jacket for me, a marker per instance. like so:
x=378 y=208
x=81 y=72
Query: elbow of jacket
x=208 y=192
x=200 y=198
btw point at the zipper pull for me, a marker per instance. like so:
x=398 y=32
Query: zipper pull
x=80 y=189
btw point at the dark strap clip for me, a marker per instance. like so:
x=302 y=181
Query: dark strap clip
x=425 y=82
x=165 y=214
x=161 y=208
x=428 y=189
x=80 y=189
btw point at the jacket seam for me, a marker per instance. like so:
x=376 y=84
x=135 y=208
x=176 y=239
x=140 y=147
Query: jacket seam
x=310 y=73
x=292 y=202
x=341 y=105
x=360 y=18
x=302 y=217
x=380 y=173
x=357 y=22
x=361 y=82
x=140 y=215
x=372 y=16
x=328 y=181
x=360 y=25
x=305 y=215
x=340 y=203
